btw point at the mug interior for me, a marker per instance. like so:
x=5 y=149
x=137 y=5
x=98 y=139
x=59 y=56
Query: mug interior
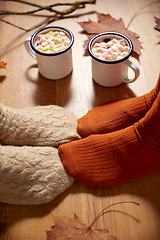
x=54 y=28
x=106 y=37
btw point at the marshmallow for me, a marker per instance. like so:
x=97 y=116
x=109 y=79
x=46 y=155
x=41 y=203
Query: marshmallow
x=120 y=47
x=40 y=48
x=126 y=49
x=62 y=33
x=47 y=35
x=109 y=58
x=109 y=51
x=103 y=45
x=114 y=55
x=52 y=46
x=66 y=43
x=104 y=55
x=114 y=40
x=57 y=40
x=55 y=33
x=123 y=54
x=122 y=42
x=112 y=50
x=52 y=41
x=97 y=45
x=50 y=33
x=110 y=44
x=46 y=48
x=98 y=55
x=43 y=44
x=58 y=47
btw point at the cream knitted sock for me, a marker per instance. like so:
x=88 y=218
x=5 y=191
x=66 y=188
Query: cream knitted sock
x=38 y=126
x=31 y=175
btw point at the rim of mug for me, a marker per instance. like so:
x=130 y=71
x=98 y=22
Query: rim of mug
x=55 y=28
x=93 y=39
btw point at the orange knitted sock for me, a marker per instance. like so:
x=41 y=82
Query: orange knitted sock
x=115 y=115
x=118 y=157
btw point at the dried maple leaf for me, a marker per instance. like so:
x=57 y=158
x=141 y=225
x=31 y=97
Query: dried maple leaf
x=3 y=65
x=106 y=23
x=157 y=20
x=67 y=228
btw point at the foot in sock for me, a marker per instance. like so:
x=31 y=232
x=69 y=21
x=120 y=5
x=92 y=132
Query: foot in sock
x=31 y=175
x=38 y=126
x=118 y=157
x=117 y=114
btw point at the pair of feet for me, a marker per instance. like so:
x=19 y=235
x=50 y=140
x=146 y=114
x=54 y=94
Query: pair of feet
x=120 y=142
x=31 y=171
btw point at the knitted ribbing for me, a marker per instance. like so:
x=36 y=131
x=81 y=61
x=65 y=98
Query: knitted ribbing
x=117 y=114
x=31 y=175
x=117 y=157
x=38 y=126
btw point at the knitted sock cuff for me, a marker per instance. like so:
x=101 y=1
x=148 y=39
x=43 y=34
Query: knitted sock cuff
x=38 y=126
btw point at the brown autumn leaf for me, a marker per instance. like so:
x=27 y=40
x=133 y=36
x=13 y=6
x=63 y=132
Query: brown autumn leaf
x=67 y=228
x=157 y=20
x=157 y=27
x=75 y=229
x=3 y=65
x=106 y=23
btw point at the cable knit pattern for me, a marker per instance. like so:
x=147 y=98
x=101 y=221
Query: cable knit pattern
x=39 y=126
x=31 y=175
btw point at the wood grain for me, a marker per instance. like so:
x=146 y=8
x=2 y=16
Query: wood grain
x=22 y=86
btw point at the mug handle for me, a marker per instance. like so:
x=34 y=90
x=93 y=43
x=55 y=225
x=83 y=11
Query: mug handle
x=134 y=68
x=28 y=47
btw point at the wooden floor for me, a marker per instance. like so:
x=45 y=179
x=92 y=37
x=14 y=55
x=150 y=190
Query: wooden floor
x=22 y=86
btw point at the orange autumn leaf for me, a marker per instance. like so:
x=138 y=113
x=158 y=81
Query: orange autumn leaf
x=75 y=229
x=106 y=23
x=3 y=65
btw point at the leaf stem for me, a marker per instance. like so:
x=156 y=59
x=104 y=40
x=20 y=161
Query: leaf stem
x=138 y=12
x=103 y=211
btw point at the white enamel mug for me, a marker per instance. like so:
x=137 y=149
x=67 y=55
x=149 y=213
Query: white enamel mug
x=115 y=72
x=52 y=65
